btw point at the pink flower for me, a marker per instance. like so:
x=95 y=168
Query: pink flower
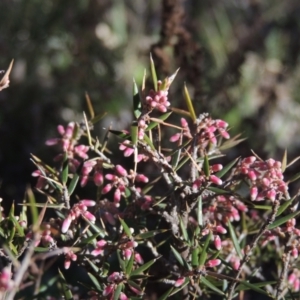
x=100 y=247
x=179 y=281
x=217 y=242
x=5 y=279
x=213 y=263
x=79 y=209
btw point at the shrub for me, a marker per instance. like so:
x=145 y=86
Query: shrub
x=169 y=219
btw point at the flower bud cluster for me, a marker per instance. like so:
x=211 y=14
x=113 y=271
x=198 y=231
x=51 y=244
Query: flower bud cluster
x=79 y=209
x=265 y=177
x=69 y=256
x=294 y=280
x=128 y=151
x=5 y=280
x=87 y=168
x=158 y=99
x=69 y=144
x=202 y=179
x=207 y=131
x=119 y=181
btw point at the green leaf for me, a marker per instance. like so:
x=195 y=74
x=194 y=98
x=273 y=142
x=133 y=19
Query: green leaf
x=122 y=134
x=33 y=208
x=94 y=267
x=218 y=191
x=95 y=281
x=175 y=158
x=234 y=240
x=66 y=290
x=206 y=166
x=134 y=130
x=20 y=229
x=121 y=261
x=65 y=169
x=211 y=286
x=90 y=105
x=189 y=103
x=148 y=141
x=73 y=184
x=252 y=287
x=284 y=161
x=153 y=124
x=149 y=234
x=153 y=73
x=282 y=208
x=184 y=231
x=129 y=264
x=89 y=239
x=283 y=220
x=117 y=291
x=195 y=257
x=177 y=256
x=137 y=106
x=97 y=229
x=227 y=168
x=204 y=250
x=126 y=228
x=144 y=267
x=98 y=118
x=168 y=81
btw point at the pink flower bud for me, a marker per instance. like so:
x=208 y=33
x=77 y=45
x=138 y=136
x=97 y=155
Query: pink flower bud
x=292 y=277
x=271 y=194
x=135 y=290
x=121 y=171
x=115 y=276
x=253 y=193
x=235 y=263
x=216 y=180
x=97 y=252
x=138 y=258
x=221 y=123
x=89 y=216
x=217 y=242
x=117 y=196
x=179 y=282
x=127 y=254
x=83 y=181
x=98 y=178
x=216 y=168
x=252 y=176
x=221 y=229
x=69 y=130
x=61 y=129
x=88 y=203
x=66 y=224
x=175 y=137
x=141 y=178
x=110 y=177
x=106 y=189
x=213 y=263
x=108 y=290
x=67 y=263
x=123 y=296
x=249 y=160
x=295 y=252
x=184 y=123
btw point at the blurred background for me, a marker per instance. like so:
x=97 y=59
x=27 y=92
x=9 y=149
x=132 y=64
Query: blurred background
x=239 y=58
